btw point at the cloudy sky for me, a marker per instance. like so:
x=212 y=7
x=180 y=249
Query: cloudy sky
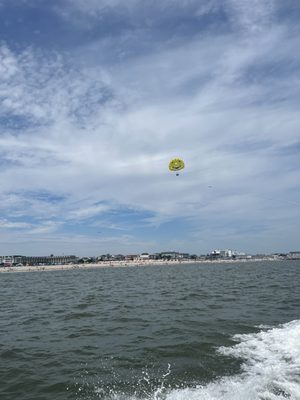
x=98 y=95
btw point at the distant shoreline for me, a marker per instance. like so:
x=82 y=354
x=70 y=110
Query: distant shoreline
x=123 y=264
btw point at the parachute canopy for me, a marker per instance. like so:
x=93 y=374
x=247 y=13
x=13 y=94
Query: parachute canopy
x=176 y=164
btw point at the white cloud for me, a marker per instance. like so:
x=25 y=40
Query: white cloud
x=101 y=135
x=95 y=9
x=251 y=15
x=45 y=228
x=8 y=63
x=4 y=223
x=88 y=212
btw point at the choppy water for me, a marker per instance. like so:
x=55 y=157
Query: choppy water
x=182 y=332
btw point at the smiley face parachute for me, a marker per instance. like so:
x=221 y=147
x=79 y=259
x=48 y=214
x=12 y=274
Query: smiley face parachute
x=176 y=165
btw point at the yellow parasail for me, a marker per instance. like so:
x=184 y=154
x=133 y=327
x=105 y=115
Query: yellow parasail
x=176 y=165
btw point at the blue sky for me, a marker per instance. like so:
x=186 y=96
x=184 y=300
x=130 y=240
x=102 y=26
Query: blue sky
x=98 y=95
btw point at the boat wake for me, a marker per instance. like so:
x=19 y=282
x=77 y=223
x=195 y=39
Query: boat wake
x=270 y=370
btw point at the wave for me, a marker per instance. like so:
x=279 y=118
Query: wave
x=270 y=371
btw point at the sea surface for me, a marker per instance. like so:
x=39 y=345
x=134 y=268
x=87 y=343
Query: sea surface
x=182 y=332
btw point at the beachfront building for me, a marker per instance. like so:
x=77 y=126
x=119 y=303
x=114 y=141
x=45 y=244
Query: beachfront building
x=105 y=257
x=131 y=257
x=144 y=256
x=10 y=260
x=154 y=256
x=47 y=260
x=293 y=255
x=186 y=256
x=6 y=261
x=86 y=260
x=238 y=255
x=119 y=257
x=169 y=255
x=226 y=253
x=174 y=255
x=215 y=254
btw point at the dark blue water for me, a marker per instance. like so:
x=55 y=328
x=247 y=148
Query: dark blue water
x=161 y=332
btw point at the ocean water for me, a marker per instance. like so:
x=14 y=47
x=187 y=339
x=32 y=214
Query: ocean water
x=184 y=332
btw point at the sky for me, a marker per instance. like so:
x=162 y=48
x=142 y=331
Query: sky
x=97 y=96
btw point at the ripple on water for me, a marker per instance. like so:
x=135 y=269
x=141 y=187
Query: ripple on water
x=162 y=333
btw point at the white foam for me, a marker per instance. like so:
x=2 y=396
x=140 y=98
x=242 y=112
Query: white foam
x=271 y=369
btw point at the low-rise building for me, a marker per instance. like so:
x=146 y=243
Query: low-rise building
x=131 y=257
x=36 y=260
x=293 y=255
x=215 y=254
x=48 y=260
x=144 y=256
x=226 y=253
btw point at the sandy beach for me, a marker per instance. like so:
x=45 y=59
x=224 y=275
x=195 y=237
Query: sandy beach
x=107 y=264
x=118 y=264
